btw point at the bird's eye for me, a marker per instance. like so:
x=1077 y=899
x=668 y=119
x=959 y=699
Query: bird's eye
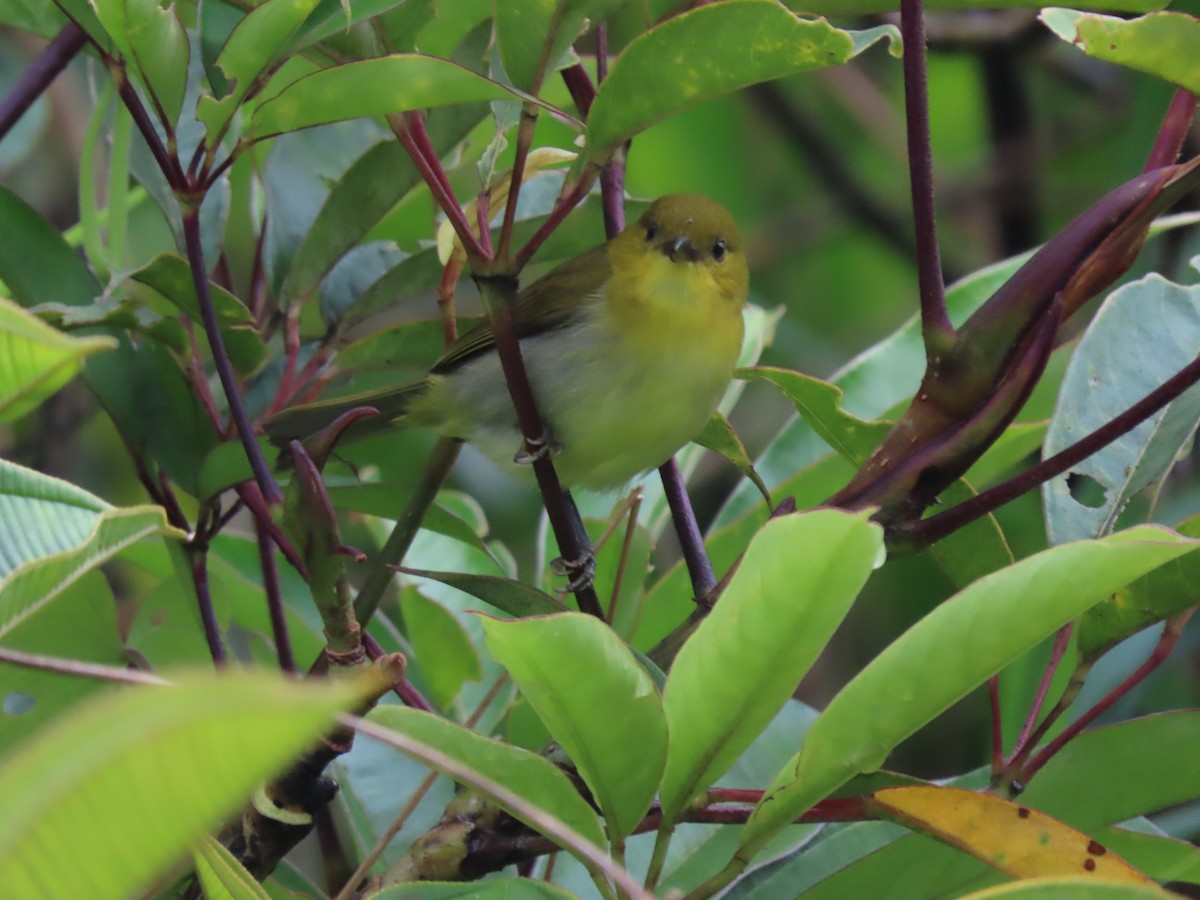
x=651 y=230
x=718 y=249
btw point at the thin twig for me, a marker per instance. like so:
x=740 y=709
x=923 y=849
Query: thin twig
x=197 y=554
x=1162 y=650
x=1062 y=640
x=78 y=669
x=691 y=539
x=167 y=162
x=409 y=130
x=270 y=573
x=936 y=329
x=212 y=329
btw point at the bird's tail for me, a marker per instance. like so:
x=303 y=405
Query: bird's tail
x=303 y=421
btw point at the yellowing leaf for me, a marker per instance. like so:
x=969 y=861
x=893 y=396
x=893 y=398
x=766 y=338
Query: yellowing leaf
x=1015 y=839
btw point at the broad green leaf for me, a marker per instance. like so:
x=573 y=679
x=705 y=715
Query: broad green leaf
x=221 y=876
x=820 y=403
x=174 y=429
x=412 y=346
x=372 y=87
x=977 y=549
x=707 y=52
x=1158 y=595
x=369 y=189
x=441 y=646
x=1076 y=888
x=1019 y=841
x=36 y=264
x=534 y=34
x=80 y=623
x=251 y=47
x=153 y=42
x=791 y=590
x=171 y=276
x=162 y=762
x=873 y=7
x=535 y=779
x=1161 y=857
x=596 y=701
x=43 y=19
x=53 y=536
x=514 y=597
x=36 y=360
x=1165 y=44
x=671 y=599
x=1109 y=371
x=947 y=654
x=492 y=889
x=719 y=437
x=1061 y=787
x=51 y=532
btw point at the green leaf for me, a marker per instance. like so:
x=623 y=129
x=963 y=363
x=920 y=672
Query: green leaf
x=164 y=763
x=534 y=34
x=947 y=654
x=1165 y=592
x=514 y=597
x=704 y=53
x=53 y=536
x=977 y=549
x=1078 y=888
x=36 y=264
x=414 y=345
x=154 y=44
x=171 y=276
x=1109 y=371
x=441 y=647
x=251 y=47
x=221 y=876
x=36 y=360
x=596 y=701
x=820 y=403
x=718 y=436
x=537 y=780
x=1165 y=44
x=372 y=87
x=873 y=7
x=80 y=623
x=793 y=587
x=369 y=189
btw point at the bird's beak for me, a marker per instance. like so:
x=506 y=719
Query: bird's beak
x=680 y=247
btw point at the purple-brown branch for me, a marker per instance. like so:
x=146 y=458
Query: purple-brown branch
x=41 y=73
x=927 y=531
x=212 y=329
x=935 y=320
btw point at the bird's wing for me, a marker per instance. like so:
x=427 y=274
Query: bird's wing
x=577 y=280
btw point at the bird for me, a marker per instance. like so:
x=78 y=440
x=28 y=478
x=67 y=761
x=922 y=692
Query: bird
x=628 y=346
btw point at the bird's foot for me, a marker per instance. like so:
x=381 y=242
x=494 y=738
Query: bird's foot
x=538 y=448
x=580 y=572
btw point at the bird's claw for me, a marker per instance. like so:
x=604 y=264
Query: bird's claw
x=581 y=572
x=534 y=449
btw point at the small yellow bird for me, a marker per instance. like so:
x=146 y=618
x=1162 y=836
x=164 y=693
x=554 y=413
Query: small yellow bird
x=629 y=347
